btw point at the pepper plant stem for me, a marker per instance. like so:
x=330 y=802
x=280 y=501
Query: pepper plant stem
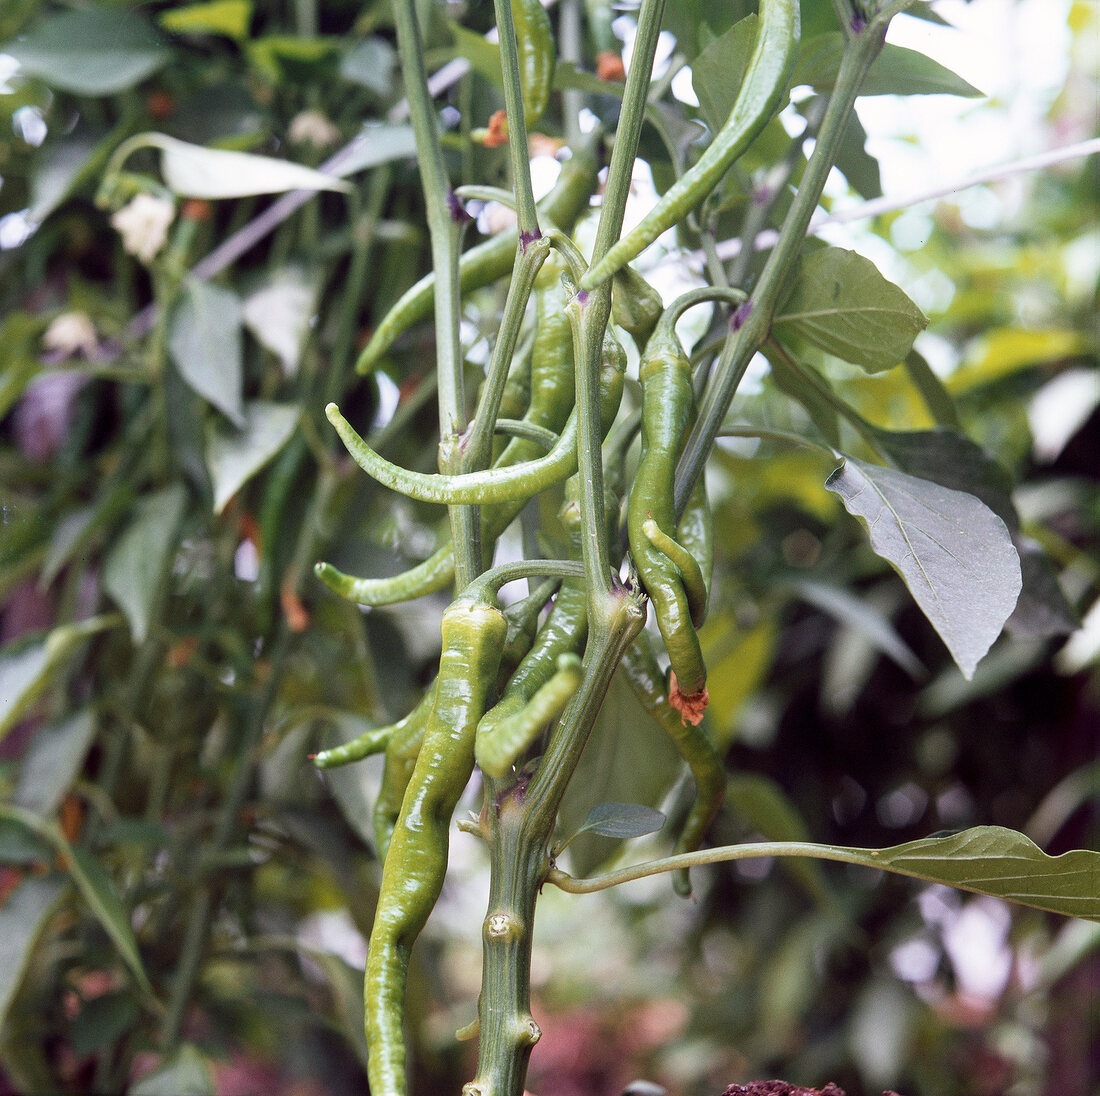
x=443 y=230
x=754 y=320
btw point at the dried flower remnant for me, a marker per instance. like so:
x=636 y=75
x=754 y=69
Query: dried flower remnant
x=143 y=224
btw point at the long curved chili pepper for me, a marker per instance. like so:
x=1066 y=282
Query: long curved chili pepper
x=635 y=305
x=412 y=874
x=691 y=574
x=484 y=264
x=519 y=481
x=644 y=676
x=667 y=413
x=761 y=91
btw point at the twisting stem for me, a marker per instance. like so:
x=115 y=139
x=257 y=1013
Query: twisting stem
x=444 y=225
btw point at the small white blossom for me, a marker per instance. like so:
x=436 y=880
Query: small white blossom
x=143 y=224
x=71 y=333
x=311 y=127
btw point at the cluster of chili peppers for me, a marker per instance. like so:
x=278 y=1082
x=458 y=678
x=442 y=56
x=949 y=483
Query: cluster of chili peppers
x=507 y=673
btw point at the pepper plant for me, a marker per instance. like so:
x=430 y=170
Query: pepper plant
x=574 y=403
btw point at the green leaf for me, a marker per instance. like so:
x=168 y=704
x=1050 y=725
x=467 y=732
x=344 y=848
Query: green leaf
x=228 y=17
x=370 y=64
x=999 y=862
x=483 y=55
x=134 y=570
x=187 y=1072
x=60 y=163
x=55 y=757
x=19 y=334
x=192 y=171
x=92 y=882
x=280 y=311
x=275 y=56
x=204 y=339
x=377 y=143
x=954 y=554
x=622 y=820
x=23 y=916
x=628 y=756
x=97 y=51
x=717 y=73
x=841 y=303
x=24 y=672
x=896 y=71
x=235 y=456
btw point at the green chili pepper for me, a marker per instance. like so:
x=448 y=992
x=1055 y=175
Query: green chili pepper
x=401 y=753
x=642 y=672
x=691 y=574
x=535 y=41
x=542 y=684
x=365 y=745
x=695 y=533
x=667 y=413
x=520 y=481
x=760 y=93
x=416 y=862
x=635 y=305
x=485 y=263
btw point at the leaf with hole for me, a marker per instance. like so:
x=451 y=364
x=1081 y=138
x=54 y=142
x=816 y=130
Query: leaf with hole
x=954 y=554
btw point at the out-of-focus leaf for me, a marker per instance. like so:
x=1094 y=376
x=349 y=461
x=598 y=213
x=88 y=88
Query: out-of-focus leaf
x=204 y=339
x=275 y=55
x=845 y=607
x=763 y=804
x=279 y=312
x=484 y=56
x=377 y=144
x=622 y=820
x=718 y=71
x=896 y=71
x=192 y=171
x=1060 y=408
x=102 y=1021
x=228 y=17
x=856 y=164
x=134 y=569
x=1043 y=609
x=95 y=51
x=59 y=164
x=53 y=761
x=738 y=666
x=371 y=65
x=821 y=410
x=628 y=756
x=840 y=302
x=19 y=334
x=23 y=916
x=954 y=554
x=92 y=882
x=999 y=352
x=235 y=456
x=187 y=1072
x=881 y=1031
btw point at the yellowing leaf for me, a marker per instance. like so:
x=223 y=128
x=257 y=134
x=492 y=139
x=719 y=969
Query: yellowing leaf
x=1001 y=352
x=734 y=675
x=228 y=17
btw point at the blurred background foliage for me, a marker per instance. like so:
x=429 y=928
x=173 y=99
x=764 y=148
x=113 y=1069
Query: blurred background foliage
x=184 y=900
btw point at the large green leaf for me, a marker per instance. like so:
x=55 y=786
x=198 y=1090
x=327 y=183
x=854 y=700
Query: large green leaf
x=370 y=64
x=840 y=302
x=717 y=73
x=896 y=71
x=999 y=862
x=97 y=51
x=204 y=339
x=134 y=569
x=228 y=17
x=235 y=456
x=22 y=918
x=955 y=555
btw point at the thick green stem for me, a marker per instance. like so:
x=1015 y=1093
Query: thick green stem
x=444 y=226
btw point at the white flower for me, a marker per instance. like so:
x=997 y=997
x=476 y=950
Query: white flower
x=71 y=333
x=311 y=127
x=143 y=224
